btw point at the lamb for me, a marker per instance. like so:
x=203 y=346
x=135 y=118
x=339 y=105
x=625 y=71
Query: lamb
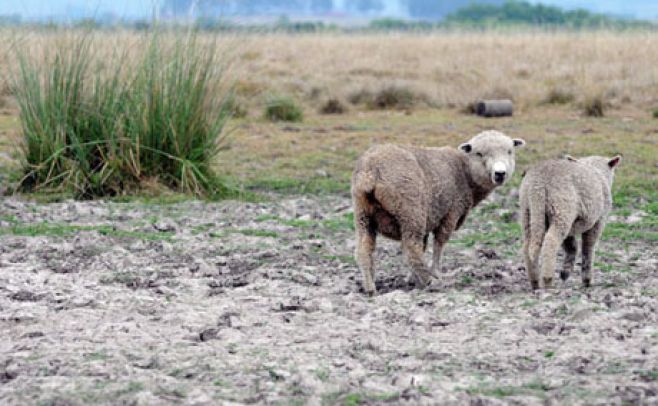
x=561 y=199
x=405 y=193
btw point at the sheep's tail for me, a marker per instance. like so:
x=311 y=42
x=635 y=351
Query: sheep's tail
x=537 y=223
x=363 y=188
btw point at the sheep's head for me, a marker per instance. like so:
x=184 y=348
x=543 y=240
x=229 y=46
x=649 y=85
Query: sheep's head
x=490 y=157
x=605 y=166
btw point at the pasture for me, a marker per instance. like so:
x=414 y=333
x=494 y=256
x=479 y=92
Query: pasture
x=158 y=297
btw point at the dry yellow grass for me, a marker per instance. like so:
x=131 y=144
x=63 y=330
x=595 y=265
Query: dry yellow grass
x=450 y=69
x=454 y=69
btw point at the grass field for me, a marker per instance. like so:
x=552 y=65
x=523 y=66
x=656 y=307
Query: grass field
x=161 y=298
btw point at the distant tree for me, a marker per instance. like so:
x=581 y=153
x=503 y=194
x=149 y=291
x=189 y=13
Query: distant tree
x=437 y=9
x=523 y=12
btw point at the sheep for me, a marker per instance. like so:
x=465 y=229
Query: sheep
x=561 y=199
x=405 y=193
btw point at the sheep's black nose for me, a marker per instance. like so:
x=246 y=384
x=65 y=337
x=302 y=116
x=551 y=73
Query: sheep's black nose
x=499 y=177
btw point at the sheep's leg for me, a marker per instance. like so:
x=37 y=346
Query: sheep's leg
x=413 y=249
x=530 y=251
x=441 y=237
x=590 y=238
x=552 y=241
x=530 y=265
x=365 y=246
x=570 y=250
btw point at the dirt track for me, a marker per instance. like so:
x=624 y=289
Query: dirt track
x=203 y=303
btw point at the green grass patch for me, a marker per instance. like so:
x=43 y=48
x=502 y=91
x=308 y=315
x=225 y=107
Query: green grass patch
x=321 y=374
x=347 y=259
x=250 y=232
x=297 y=186
x=534 y=388
x=96 y=356
x=648 y=375
x=646 y=230
x=63 y=230
x=467 y=280
x=99 y=128
x=8 y=219
x=132 y=387
x=257 y=233
x=358 y=398
x=343 y=223
x=500 y=234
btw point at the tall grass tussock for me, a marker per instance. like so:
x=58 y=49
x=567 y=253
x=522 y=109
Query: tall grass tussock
x=102 y=128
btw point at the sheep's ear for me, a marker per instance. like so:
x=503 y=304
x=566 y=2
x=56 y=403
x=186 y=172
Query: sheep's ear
x=614 y=161
x=466 y=147
x=518 y=142
x=570 y=158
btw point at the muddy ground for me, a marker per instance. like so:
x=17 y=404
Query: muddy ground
x=209 y=303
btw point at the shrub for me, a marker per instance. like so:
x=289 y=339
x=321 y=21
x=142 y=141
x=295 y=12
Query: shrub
x=655 y=113
x=559 y=96
x=594 y=106
x=470 y=108
x=333 y=106
x=99 y=130
x=387 y=97
x=393 y=97
x=283 y=108
x=236 y=107
x=361 y=96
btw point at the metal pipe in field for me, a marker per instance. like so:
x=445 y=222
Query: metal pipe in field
x=494 y=108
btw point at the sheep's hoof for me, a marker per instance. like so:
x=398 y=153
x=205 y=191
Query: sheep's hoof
x=548 y=283
x=422 y=283
x=433 y=286
x=534 y=285
x=587 y=283
x=564 y=275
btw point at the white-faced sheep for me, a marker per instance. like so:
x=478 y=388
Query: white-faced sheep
x=561 y=199
x=405 y=193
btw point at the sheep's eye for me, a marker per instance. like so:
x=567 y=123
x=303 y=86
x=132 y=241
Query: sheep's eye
x=479 y=154
x=509 y=152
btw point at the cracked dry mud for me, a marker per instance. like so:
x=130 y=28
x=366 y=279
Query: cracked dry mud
x=209 y=303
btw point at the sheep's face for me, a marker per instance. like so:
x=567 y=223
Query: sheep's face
x=605 y=166
x=490 y=156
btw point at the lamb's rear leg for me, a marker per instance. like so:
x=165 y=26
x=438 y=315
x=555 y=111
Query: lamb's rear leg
x=413 y=249
x=365 y=247
x=570 y=250
x=552 y=241
x=531 y=249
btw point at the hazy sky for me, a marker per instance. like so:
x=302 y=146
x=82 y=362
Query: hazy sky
x=40 y=8
x=135 y=8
